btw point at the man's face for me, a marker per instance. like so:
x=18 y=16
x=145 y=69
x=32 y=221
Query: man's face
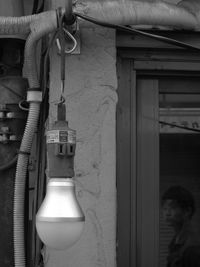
x=172 y=213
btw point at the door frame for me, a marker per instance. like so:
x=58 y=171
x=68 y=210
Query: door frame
x=138 y=57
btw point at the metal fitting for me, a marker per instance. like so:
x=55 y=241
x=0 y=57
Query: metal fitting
x=34 y=96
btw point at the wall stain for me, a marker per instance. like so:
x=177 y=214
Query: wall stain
x=101 y=256
x=94 y=189
x=98 y=118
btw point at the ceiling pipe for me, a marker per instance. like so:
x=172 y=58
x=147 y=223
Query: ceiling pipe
x=157 y=13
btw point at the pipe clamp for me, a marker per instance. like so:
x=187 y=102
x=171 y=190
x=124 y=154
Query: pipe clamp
x=34 y=96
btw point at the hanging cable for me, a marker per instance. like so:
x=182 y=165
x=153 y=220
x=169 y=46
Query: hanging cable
x=139 y=32
x=35 y=6
x=46 y=58
x=36 y=9
x=41 y=8
x=61 y=39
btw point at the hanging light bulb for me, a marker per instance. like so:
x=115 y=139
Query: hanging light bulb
x=60 y=220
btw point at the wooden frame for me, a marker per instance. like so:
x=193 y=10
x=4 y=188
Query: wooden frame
x=139 y=58
x=126 y=166
x=147 y=173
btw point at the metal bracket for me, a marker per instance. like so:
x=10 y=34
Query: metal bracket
x=70 y=43
x=32 y=165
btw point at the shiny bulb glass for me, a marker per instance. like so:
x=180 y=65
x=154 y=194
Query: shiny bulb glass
x=60 y=220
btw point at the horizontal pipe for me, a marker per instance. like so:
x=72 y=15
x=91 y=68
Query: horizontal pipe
x=157 y=13
x=21 y=25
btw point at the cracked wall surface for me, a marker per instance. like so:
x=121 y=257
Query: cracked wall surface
x=91 y=99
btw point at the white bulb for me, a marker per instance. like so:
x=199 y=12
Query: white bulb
x=59 y=235
x=60 y=220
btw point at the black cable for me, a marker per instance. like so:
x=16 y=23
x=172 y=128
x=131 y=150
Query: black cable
x=35 y=6
x=139 y=32
x=179 y=126
x=41 y=8
x=36 y=9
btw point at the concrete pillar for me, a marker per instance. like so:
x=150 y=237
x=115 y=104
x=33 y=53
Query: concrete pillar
x=91 y=99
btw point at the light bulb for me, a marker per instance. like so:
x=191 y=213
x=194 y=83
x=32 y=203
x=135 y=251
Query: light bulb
x=60 y=220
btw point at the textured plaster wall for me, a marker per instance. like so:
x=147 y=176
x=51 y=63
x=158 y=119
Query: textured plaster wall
x=91 y=109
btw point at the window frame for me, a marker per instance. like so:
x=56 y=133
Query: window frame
x=139 y=57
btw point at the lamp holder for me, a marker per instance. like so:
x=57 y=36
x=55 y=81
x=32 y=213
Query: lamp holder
x=61 y=144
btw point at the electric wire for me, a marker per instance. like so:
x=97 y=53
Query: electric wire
x=61 y=37
x=11 y=90
x=20 y=104
x=36 y=245
x=139 y=32
x=41 y=8
x=46 y=58
x=118 y=27
x=41 y=178
x=35 y=6
x=150 y=35
x=179 y=126
x=36 y=9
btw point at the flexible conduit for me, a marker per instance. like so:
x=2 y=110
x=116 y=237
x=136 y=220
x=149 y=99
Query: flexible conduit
x=37 y=26
x=19 y=191
x=21 y=25
x=141 y=13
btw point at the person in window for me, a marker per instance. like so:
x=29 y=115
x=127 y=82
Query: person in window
x=178 y=207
